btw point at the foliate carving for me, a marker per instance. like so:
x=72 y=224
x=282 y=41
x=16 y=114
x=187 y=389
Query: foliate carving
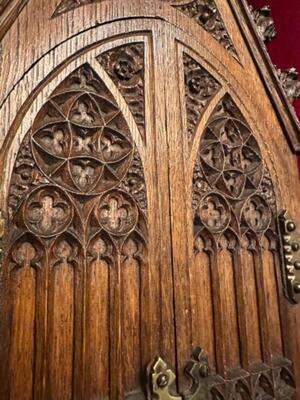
x=134 y=182
x=262 y=383
x=206 y=14
x=25 y=176
x=118 y=214
x=232 y=188
x=68 y=5
x=126 y=67
x=200 y=88
x=290 y=83
x=78 y=182
x=264 y=22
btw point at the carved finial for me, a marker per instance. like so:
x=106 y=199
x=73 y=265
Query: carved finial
x=160 y=380
x=264 y=22
x=290 y=83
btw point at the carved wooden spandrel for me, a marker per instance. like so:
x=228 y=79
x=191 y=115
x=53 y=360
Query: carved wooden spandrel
x=206 y=14
x=200 y=88
x=126 y=67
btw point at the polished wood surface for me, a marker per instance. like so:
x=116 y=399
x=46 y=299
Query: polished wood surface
x=147 y=150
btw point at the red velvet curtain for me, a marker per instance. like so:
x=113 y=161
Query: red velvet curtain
x=285 y=48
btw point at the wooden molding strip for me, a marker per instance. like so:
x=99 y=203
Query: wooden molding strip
x=9 y=11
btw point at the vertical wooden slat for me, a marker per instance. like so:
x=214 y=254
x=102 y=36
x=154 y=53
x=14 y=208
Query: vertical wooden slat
x=271 y=291
x=201 y=300
x=116 y=373
x=60 y=341
x=131 y=317
x=41 y=336
x=228 y=353
x=97 y=330
x=21 y=365
x=247 y=307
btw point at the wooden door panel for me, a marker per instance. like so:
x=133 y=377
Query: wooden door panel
x=142 y=193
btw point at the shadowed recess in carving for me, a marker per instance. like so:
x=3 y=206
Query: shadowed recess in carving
x=125 y=66
x=206 y=14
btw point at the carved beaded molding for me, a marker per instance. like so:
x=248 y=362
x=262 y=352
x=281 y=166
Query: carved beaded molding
x=233 y=193
x=77 y=186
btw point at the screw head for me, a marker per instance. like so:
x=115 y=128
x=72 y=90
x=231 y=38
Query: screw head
x=295 y=246
x=162 y=380
x=204 y=370
x=297 y=264
x=297 y=288
x=291 y=226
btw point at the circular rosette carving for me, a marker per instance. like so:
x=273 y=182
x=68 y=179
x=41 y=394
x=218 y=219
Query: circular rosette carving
x=47 y=212
x=80 y=139
x=117 y=213
x=126 y=65
x=257 y=214
x=231 y=158
x=214 y=213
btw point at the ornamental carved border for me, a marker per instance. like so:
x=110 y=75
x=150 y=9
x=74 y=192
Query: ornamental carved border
x=78 y=185
x=233 y=194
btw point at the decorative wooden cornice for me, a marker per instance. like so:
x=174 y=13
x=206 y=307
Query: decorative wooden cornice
x=9 y=11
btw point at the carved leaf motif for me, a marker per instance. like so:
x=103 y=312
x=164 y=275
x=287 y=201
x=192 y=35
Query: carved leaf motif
x=125 y=65
x=200 y=88
x=134 y=182
x=207 y=15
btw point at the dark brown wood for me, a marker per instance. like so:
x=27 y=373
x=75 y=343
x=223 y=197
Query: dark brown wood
x=144 y=164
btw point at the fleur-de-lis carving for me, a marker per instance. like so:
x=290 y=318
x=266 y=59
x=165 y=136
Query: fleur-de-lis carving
x=117 y=214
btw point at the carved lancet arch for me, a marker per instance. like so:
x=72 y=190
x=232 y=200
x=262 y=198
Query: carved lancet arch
x=232 y=187
x=77 y=200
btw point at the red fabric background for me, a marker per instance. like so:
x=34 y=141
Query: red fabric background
x=285 y=48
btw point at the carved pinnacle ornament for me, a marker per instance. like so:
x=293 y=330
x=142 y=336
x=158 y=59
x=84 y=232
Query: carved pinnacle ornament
x=264 y=22
x=290 y=83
